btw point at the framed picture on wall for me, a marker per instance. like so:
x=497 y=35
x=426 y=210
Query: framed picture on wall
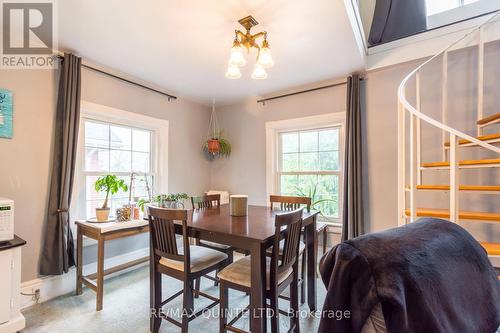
x=6 y=116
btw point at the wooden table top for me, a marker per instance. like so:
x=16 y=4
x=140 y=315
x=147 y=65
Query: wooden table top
x=257 y=225
x=113 y=226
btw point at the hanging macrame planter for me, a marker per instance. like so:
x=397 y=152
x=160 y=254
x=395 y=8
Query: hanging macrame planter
x=215 y=146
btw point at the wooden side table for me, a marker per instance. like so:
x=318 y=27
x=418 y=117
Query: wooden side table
x=102 y=232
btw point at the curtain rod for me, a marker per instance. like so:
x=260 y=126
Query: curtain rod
x=264 y=100
x=125 y=80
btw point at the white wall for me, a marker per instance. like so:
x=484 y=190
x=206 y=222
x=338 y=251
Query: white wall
x=244 y=125
x=379 y=105
x=25 y=160
x=24 y=171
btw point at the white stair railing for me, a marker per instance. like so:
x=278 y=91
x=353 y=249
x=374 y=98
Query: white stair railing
x=416 y=116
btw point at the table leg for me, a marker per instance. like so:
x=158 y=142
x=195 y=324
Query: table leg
x=312 y=249
x=79 y=261
x=100 y=273
x=257 y=296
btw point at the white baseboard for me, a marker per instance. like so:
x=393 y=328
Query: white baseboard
x=14 y=325
x=54 y=286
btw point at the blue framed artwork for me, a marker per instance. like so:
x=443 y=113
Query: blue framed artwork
x=6 y=115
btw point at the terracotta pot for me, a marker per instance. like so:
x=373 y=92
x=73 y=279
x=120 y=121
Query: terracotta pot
x=213 y=146
x=102 y=214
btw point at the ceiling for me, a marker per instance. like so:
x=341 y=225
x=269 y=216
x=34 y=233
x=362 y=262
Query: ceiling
x=183 y=46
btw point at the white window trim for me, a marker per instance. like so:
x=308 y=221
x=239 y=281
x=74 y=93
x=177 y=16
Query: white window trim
x=460 y=13
x=159 y=145
x=274 y=128
x=428 y=43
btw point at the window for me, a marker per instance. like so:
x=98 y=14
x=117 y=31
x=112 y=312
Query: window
x=309 y=165
x=438 y=6
x=304 y=157
x=120 y=150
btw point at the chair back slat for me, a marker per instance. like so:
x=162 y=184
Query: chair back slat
x=162 y=231
x=206 y=201
x=288 y=229
x=290 y=202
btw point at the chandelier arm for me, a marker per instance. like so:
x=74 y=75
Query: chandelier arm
x=240 y=34
x=260 y=34
x=258 y=49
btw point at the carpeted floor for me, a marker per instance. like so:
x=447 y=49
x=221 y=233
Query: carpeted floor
x=126 y=309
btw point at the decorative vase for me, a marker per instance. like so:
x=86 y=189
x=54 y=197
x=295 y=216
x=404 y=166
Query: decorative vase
x=102 y=214
x=213 y=146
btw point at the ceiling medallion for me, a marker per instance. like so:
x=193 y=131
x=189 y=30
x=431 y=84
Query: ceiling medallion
x=247 y=40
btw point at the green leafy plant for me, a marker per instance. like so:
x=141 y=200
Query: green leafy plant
x=312 y=192
x=111 y=185
x=157 y=198
x=177 y=197
x=224 y=149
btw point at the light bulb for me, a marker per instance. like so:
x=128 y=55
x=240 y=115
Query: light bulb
x=259 y=73
x=236 y=57
x=233 y=72
x=265 y=58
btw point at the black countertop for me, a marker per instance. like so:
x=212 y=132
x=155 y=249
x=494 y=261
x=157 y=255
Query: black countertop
x=17 y=241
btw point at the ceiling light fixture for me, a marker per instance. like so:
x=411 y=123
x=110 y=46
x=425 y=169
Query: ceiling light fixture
x=247 y=40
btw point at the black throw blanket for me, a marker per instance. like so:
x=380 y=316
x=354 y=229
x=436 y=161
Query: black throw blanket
x=430 y=276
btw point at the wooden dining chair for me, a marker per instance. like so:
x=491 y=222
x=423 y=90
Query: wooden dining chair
x=287 y=203
x=186 y=263
x=293 y=202
x=207 y=202
x=281 y=272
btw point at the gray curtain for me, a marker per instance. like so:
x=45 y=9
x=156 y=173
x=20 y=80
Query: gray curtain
x=58 y=248
x=394 y=19
x=352 y=218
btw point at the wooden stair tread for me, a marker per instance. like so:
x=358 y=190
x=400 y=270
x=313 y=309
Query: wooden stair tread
x=464 y=162
x=491 y=248
x=488 y=119
x=465 y=215
x=487 y=137
x=461 y=187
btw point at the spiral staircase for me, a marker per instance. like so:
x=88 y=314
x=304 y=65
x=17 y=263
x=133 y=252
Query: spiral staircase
x=416 y=176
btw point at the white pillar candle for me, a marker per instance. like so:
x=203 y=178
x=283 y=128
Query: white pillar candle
x=238 y=205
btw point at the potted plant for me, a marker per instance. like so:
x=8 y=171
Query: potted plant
x=312 y=193
x=111 y=185
x=215 y=146
x=172 y=200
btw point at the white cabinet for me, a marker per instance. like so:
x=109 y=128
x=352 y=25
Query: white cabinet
x=11 y=319
x=5 y=285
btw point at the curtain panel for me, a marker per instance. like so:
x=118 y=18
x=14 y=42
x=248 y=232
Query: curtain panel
x=353 y=224
x=57 y=254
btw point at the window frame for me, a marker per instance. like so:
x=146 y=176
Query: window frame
x=83 y=174
x=274 y=129
x=158 y=149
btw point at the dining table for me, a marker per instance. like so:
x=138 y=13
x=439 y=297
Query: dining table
x=254 y=233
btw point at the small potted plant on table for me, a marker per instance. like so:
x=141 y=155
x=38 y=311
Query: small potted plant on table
x=111 y=185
